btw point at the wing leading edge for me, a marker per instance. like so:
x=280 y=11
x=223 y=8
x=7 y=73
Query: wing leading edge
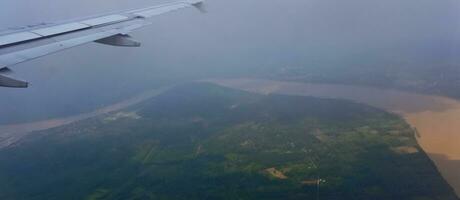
x=113 y=29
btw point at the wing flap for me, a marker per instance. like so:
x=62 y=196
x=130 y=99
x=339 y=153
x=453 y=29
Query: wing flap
x=59 y=29
x=17 y=37
x=36 y=52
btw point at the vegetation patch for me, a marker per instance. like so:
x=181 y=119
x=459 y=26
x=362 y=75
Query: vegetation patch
x=193 y=143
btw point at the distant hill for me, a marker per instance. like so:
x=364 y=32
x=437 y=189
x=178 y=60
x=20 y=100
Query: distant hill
x=202 y=141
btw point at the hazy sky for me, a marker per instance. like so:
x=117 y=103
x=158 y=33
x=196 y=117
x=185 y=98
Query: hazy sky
x=234 y=37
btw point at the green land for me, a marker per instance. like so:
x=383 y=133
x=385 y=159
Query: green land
x=201 y=141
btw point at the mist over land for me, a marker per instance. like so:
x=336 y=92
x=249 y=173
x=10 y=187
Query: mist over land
x=235 y=38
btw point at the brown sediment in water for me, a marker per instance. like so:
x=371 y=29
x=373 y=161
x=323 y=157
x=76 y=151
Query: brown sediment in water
x=440 y=138
x=436 y=119
x=439 y=131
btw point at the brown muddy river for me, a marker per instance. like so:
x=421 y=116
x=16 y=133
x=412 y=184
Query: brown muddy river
x=437 y=119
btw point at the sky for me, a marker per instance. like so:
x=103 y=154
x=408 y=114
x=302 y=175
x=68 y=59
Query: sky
x=235 y=38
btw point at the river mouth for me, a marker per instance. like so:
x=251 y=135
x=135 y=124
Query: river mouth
x=436 y=118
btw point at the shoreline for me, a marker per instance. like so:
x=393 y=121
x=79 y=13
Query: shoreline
x=13 y=133
x=436 y=119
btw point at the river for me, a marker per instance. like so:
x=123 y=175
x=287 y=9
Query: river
x=11 y=134
x=437 y=119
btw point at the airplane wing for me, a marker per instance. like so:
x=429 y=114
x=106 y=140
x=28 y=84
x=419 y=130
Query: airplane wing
x=112 y=29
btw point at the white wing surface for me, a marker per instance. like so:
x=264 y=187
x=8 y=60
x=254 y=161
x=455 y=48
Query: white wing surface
x=30 y=43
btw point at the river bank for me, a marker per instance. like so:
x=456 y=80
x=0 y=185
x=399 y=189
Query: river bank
x=436 y=119
x=13 y=133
